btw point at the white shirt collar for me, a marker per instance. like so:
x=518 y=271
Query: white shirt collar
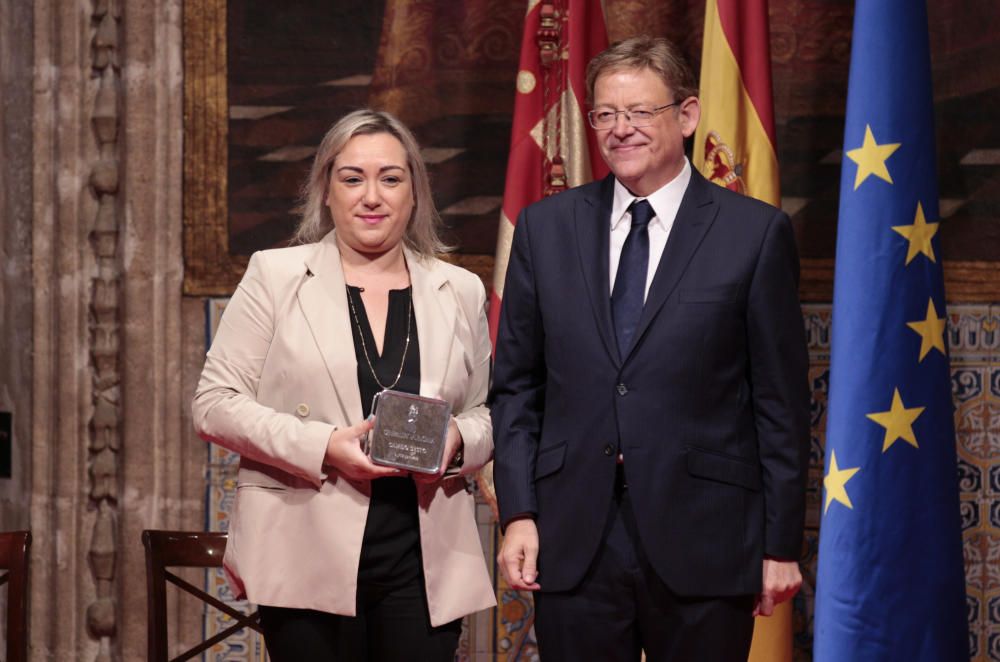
x=665 y=200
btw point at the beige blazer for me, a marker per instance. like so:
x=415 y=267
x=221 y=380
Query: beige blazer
x=281 y=375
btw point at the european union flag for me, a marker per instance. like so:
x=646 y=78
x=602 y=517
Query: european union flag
x=891 y=584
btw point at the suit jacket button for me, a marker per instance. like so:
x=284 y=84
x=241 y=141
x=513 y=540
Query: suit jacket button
x=622 y=390
x=302 y=410
x=609 y=450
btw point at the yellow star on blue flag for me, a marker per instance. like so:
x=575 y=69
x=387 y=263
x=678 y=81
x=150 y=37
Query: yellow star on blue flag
x=919 y=234
x=835 y=483
x=931 y=330
x=871 y=158
x=898 y=422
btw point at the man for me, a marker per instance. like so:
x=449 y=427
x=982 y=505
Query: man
x=649 y=403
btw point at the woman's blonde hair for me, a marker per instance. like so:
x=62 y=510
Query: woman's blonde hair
x=422 y=231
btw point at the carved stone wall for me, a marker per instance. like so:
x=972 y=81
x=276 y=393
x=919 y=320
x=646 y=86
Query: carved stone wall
x=104 y=444
x=163 y=468
x=62 y=267
x=15 y=253
x=111 y=451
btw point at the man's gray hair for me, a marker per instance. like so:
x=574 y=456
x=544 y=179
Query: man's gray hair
x=657 y=54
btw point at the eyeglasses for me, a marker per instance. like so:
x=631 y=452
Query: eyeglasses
x=603 y=118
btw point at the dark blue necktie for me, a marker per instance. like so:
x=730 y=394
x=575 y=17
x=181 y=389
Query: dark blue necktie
x=630 y=282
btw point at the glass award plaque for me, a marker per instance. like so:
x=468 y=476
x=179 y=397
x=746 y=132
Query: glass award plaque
x=410 y=431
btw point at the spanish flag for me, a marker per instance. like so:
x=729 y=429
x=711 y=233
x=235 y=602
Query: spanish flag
x=734 y=144
x=734 y=147
x=551 y=146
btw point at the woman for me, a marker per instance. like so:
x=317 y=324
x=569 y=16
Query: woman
x=350 y=560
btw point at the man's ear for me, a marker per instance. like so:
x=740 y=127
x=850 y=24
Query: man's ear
x=689 y=115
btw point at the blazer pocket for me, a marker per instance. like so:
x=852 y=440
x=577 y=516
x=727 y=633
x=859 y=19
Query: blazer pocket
x=718 y=294
x=550 y=460
x=723 y=468
x=258 y=486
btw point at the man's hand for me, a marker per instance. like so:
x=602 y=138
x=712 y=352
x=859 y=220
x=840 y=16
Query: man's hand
x=518 y=557
x=782 y=580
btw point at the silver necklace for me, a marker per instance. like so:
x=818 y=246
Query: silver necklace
x=364 y=347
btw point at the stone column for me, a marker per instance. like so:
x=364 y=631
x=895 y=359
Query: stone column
x=163 y=462
x=64 y=153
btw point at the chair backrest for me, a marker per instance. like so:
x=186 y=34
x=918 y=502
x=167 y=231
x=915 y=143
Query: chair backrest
x=14 y=547
x=183 y=549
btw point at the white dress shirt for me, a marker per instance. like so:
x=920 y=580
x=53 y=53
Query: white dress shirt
x=665 y=202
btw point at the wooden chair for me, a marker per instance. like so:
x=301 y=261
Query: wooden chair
x=183 y=549
x=14 y=559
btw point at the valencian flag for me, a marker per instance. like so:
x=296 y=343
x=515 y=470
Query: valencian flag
x=551 y=147
x=890 y=583
x=734 y=147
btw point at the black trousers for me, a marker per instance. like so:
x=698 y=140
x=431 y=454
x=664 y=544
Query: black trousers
x=622 y=608
x=392 y=625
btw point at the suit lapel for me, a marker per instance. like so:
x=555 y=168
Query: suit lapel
x=694 y=218
x=323 y=298
x=435 y=322
x=593 y=217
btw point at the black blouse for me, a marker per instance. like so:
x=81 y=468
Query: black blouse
x=390 y=551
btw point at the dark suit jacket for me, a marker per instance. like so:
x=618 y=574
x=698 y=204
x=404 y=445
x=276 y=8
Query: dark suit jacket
x=711 y=405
